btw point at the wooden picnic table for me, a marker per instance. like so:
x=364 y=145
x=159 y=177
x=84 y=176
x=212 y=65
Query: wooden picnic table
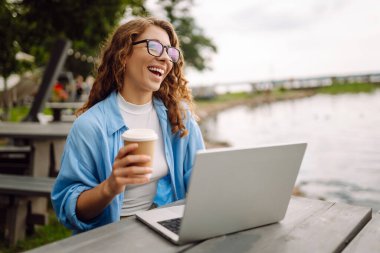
x=41 y=137
x=47 y=142
x=25 y=185
x=19 y=192
x=309 y=226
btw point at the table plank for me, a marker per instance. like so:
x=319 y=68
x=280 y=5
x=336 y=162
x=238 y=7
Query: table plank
x=25 y=185
x=368 y=240
x=309 y=226
x=32 y=130
x=128 y=235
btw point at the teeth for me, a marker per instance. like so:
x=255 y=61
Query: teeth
x=161 y=71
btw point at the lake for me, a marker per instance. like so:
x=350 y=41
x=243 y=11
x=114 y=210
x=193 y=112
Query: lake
x=342 y=160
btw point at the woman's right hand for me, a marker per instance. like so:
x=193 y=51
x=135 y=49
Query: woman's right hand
x=126 y=171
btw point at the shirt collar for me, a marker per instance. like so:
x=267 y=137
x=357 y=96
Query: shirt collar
x=115 y=120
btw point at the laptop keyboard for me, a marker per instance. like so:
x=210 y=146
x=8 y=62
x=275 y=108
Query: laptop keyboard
x=173 y=224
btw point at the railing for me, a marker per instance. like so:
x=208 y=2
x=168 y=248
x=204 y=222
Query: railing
x=209 y=91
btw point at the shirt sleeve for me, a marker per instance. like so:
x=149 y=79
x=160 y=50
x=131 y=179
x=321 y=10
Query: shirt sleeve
x=75 y=177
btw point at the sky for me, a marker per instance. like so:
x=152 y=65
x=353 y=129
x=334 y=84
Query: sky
x=260 y=40
x=267 y=39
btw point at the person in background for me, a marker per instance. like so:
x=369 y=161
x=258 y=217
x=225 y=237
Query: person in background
x=140 y=83
x=59 y=93
x=79 y=85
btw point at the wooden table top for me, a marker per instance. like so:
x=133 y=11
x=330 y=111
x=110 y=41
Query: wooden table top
x=25 y=185
x=309 y=226
x=34 y=130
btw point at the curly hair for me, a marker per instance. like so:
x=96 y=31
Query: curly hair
x=110 y=73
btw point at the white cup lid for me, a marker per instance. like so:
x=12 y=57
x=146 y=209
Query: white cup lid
x=139 y=134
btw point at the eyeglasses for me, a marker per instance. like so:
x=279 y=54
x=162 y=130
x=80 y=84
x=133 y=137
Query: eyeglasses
x=155 y=48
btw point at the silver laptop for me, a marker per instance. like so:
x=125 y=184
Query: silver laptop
x=231 y=190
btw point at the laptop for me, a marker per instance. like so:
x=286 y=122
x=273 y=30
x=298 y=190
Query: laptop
x=231 y=189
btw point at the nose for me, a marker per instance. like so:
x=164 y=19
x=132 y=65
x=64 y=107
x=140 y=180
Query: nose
x=164 y=56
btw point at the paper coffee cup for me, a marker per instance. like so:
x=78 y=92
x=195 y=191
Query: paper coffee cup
x=146 y=139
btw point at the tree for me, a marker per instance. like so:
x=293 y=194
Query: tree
x=10 y=48
x=85 y=23
x=33 y=26
x=194 y=43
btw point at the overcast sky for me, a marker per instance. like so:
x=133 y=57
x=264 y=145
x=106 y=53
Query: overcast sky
x=268 y=39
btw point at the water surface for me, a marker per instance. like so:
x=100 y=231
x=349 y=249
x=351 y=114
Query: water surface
x=342 y=161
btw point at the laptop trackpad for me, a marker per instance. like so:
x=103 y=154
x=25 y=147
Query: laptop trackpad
x=177 y=210
x=160 y=214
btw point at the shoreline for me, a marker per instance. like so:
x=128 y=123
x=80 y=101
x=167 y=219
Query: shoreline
x=205 y=109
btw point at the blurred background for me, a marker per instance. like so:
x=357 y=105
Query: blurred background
x=262 y=73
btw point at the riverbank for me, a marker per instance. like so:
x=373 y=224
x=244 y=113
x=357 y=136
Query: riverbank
x=208 y=108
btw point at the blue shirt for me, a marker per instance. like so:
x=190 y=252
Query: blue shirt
x=91 y=148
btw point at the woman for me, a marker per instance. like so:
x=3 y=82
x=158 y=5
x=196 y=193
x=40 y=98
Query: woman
x=139 y=84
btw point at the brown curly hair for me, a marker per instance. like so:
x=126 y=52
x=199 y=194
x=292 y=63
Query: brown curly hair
x=110 y=73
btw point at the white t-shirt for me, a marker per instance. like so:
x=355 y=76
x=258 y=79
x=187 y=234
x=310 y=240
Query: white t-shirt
x=140 y=197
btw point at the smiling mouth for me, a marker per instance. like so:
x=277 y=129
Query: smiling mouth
x=156 y=71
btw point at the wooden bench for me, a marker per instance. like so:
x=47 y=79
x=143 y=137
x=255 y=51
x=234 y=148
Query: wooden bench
x=16 y=160
x=368 y=240
x=19 y=160
x=16 y=207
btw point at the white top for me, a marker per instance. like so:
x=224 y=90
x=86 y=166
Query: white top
x=140 y=197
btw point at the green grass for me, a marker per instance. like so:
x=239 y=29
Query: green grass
x=16 y=114
x=54 y=231
x=225 y=97
x=339 y=88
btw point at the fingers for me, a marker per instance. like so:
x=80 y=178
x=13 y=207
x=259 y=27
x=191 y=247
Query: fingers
x=130 y=169
x=126 y=149
x=132 y=175
x=131 y=160
x=133 y=171
x=133 y=180
x=135 y=159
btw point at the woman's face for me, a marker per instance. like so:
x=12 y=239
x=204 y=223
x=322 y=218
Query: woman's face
x=144 y=72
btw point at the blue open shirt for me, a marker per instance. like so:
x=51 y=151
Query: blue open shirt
x=91 y=148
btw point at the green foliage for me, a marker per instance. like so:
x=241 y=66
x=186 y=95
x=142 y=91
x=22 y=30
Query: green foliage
x=85 y=23
x=9 y=45
x=194 y=43
x=18 y=113
x=33 y=26
x=8 y=41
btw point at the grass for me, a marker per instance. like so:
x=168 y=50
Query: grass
x=339 y=88
x=54 y=231
x=16 y=114
x=225 y=98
